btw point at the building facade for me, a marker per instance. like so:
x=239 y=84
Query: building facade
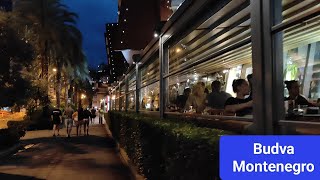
x=205 y=40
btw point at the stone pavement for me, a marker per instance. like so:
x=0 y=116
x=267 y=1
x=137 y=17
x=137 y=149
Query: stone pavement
x=84 y=157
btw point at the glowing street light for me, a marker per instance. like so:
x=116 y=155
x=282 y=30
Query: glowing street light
x=155 y=34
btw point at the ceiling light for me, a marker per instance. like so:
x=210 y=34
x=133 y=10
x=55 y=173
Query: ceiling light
x=178 y=50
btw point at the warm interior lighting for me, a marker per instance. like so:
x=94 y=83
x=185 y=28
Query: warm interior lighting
x=178 y=50
x=83 y=96
x=54 y=69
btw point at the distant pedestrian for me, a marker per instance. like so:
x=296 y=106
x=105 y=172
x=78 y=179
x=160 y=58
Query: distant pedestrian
x=86 y=119
x=80 y=120
x=69 y=121
x=93 y=114
x=100 y=116
x=56 y=118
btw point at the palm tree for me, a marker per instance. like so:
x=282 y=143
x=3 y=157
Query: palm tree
x=56 y=30
x=43 y=16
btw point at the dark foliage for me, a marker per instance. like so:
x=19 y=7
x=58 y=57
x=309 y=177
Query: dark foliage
x=15 y=53
x=167 y=149
x=12 y=134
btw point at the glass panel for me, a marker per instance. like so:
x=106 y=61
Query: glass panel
x=132 y=81
x=150 y=97
x=150 y=72
x=225 y=68
x=295 y=8
x=132 y=100
x=212 y=36
x=301 y=57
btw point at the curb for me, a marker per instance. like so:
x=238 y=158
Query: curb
x=124 y=158
x=10 y=150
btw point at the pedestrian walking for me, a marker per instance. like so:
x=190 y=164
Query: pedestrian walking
x=56 y=118
x=69 y=119
x=93 y=114
x=86 y=119
x=80 y=121
x=100 y=116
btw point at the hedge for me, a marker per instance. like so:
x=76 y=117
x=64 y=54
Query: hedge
x=12 y=134
x=167 y=149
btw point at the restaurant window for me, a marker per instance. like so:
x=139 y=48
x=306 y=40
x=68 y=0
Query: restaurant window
x=150 y=76
x=210 y=52
x=117 y=98
x=132 y=91
x=294 y=8
x=122 y=98
x=150 y=97
x=301 y=48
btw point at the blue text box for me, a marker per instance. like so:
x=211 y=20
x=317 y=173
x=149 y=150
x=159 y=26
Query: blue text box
x=270 y=157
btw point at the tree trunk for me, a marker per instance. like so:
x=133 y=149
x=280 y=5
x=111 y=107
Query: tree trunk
x=58 y=88
x=75 y=96
x=66 y=95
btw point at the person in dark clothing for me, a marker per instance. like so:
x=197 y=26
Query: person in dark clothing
x=294 y=94
x=80 y=120
x=86 y=119
x=217 y=98
x=182 y=99
x=93 y=114
x=239 y=105
x=100 y=115
x=56 y=118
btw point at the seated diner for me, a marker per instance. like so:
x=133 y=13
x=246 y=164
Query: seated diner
x=294 y=94
x=239 y=105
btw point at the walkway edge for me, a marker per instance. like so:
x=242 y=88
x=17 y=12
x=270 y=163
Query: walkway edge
x=125 y=159
x=10 y=150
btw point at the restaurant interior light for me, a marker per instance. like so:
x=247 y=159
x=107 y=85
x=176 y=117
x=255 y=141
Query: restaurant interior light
x=178 y=50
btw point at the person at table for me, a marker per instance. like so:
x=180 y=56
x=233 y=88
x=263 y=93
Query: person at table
x=182 y=99
x=217 y=98
x=196 y=99
x=239 y=105
x=294 y=93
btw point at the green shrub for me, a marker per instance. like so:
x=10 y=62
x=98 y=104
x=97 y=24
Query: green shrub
x=167 y=149
x=12 y=134
x=39 y=119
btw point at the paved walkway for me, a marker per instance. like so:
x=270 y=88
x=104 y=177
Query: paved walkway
x=84 y=157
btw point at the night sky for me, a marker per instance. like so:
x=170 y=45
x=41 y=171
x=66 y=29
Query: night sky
x=93 y=15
